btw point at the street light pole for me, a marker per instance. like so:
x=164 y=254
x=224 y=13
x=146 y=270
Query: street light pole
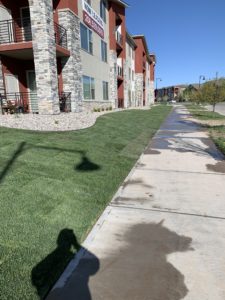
x=156 y=90
x=201 y=77
x=157 y=81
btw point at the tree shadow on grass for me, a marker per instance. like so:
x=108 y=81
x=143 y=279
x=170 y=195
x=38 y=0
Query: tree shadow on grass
x=86 y=165
x=20 y=149
x=45 y=274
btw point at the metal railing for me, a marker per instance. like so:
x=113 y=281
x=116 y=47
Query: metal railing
x=119 y=71
x=119 y=38
x=15 y=31
x=120 y=103
x=19 y=30
x=12 y=103
x=60 y=35
x=65 y=102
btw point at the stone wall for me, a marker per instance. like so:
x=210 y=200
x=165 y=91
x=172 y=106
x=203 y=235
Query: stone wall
x=152 y=93
x=91 y=105
x=113 y=92
x=139 y=88
x=44 y=49
x=72 y=66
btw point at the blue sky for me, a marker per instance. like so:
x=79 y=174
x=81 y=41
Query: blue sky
x=188 y=37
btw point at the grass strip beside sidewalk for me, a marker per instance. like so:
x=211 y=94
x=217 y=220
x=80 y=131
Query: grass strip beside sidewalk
x=214 y=122
x=54 y=186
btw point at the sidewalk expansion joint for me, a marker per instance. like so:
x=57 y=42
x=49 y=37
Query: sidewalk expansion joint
x=168 y=212
x=177 y=171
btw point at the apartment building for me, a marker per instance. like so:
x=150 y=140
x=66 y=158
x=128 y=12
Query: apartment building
x=70 y=55
x=143 y=72
x=129 y=72
x=170 y=92
x=152 y=77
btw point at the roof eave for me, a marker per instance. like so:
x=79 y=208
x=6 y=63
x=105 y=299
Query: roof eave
x=122 y=3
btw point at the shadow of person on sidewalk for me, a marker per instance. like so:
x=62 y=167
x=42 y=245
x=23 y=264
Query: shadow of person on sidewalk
x=45 y=274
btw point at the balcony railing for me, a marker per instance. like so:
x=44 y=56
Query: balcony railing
x=65 y=102
x=119 y=71
x=15 y=31
x=12 y=103
x=119 y=38
x=60 y=35
x=120 y=103
x=19 y=30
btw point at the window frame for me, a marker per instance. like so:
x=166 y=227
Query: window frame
x=90 y=81
x=103 y=9
x=105 y=88
x=89 y=36
x=104 y=51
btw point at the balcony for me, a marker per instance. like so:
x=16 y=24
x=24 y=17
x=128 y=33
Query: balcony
x=60 y=35
x=65 y=102
x=19 y=31
x=15 y=31
x=15 y=103
x=119 y=39
x=120 y=72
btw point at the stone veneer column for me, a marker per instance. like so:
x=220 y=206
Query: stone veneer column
x=44 y=49
x=1 y=83
x=139 y=88
x=72 y=67
x=113 y=90
x=152 y=92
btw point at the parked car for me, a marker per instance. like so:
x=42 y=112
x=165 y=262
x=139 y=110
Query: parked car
x=172 y=101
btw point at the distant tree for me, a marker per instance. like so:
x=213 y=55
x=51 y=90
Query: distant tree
x=195 y=96
x=188 y=92
x=212 y=92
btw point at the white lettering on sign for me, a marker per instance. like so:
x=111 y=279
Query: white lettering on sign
x=92 y=19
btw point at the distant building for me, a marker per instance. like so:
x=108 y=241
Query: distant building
x=170 y=92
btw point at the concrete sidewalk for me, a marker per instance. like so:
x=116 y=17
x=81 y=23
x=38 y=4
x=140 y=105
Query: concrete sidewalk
x=163 y=235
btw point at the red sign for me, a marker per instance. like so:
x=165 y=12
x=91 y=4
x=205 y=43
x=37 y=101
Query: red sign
x=93 y=25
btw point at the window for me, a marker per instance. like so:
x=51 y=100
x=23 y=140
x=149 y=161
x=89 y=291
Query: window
x=103 y=10
x=133 y=75
x=88 y=88
x=86 y=38
x=105 y=90
x=104 y=51
x=129 y=73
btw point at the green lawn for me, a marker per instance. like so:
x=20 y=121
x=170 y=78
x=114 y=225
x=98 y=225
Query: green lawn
x=201 y=113
x=218 y=135
x=217 y=132
x=50 y=182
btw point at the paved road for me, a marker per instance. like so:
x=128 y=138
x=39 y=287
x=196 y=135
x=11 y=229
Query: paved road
x=220 y=108
x=163 y=235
